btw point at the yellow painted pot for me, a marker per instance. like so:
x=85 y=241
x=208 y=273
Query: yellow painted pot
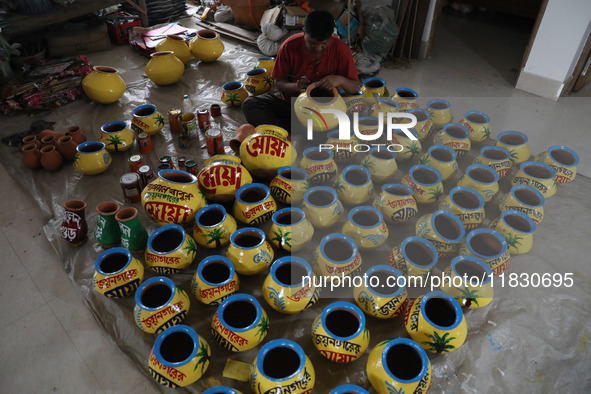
x=373 y=89
x=147 y=119
x=481 y=178
x=206 y=46
x=170 y=250
x=355 y=102
x=322 y=207
x=440 y=111
x=309 y=104
x=284 y=289
x=249 y=251
x=240 y=323
x=538 y=175
x=426 y=183
x=234 y=93
x=399 y=366
x=517 y=228
x=497 y=158
x=267 y=150
x=271 y=373
x=213 y=226
x=563 y=160
x=442 y=158
x=367 y=227
x=348 y=389
x=444 y=230
x=436 y=322
x=173 y=198
x=336 y=255
x=160 y=304
x=414 y=257
x=382 y=297
x=340 y=333
x=410 y=148
x=478 y=125
x=354 y=185
x=467 y=204
x=455 y=136
x=92 y=158
x=215 y=280
x=469 y=280
x=104 y=85
x=289 y=185
x=177 y=45
x=221 y=177
x=384 y=106
x=267 y=63
x=396 y=202
x=258 y=81
x=221 y=390
x=116 y=136
x=369 y=126
x=516 y=143
x=424 y=126
x=406 y=98
x=164 y=68
x=179 y=357
x=319 y=164
x=525 y=199
x=488 y=245
x=381 y=163
x=344 y=150
x=291 y=230
x=117 y=273
x=254 y=204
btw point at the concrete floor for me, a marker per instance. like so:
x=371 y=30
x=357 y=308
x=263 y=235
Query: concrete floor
x=51 y=342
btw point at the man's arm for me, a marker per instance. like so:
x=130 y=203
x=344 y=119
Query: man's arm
x=350 y=86
x=293 y=88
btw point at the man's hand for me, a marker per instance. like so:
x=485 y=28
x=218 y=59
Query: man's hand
x=331 y=81
x=302 y=83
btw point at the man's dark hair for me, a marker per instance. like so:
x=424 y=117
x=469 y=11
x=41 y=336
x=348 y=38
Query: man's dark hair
x=319 y=25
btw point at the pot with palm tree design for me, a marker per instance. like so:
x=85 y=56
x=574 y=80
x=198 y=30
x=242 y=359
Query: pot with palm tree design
x=497 y=158
x=444 y=229
x=406 y=98
x=254 y=204
x=291 y=230
x=258 y=81
x=455 y=136
x=213 y=226
x=525 y=199
x=367 y=227
x=117 y=273
x=381 y=296
x=179 y=357
x=281 y=366
x=539 y=175
x=488 y=245
x=467 y=204
x=349 y=389
x=436 y=322
x=240 y=323
x=267 y=63
x=267 y=150
x=289 y=185
x=381 y=163
x=414 y=257
x=440 y=111
x=563 y=160
x=478 y=125
x=516 y=143
x=424 y=125
x=426 y=183
x=147 y=119
x=289 y=287
x=337 y=255
x=399 y=366
x=483 y=179
x=160 y=304
x=222 y=176
x=116 y=136
x=215 y=280
x=249 y=251
x=340 y=333
x=343 y=149
x=410 y=148
x=92 y=158
x=442 y=158
x=517 y=228
x=469 y=280
x=319 y=164
x=322 y=207
x=354 y=185
x=396 y=202
x=170 y=250
x=234 y=93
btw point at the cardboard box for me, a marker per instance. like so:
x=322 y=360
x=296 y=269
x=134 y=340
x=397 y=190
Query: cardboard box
x=272 y=15
x=294 y=17
x=78 y=41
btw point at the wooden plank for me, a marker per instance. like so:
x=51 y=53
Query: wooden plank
x=223 y=28
x=213 y=27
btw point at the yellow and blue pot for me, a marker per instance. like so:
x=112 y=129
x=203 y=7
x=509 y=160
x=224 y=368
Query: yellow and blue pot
x=383 y=296
x=436 y=322
x=481 y=178
x=337 y=255
x=406 y=98
x=399 y=366
x=254 y=204
x=563 y=160
x=213 y=226
x=467 y=204
x=281 y=366
x=117 y=273
x=349 y=389
x=179 y=357
x=478 y=125
x=291 y=230
x=355 y=102
x=424 y=126
x=396 y=202
x=267 y=150
x=240 y=323
x=221 y=390
x=440 y=111
x=322 y=207
x=426 y=183
x=344 y=149
x=258 y=81
x=289 y=185
x=116 y=136
x=373 y=89
x=147 y=119
x=408 y=148
x=234 y=93
x=354 y=185
x=538 y=175
x=469 y=280
x=488 y=245
x=249 y=251
x=381 y=163
x=367 y=227
x=160 y=304
x=455 y=136
x=319 y=164
x=170 y=250
x=414 y=257
x=221 y=177
x=369 y=126
x=525 y=199
x=384 y=106
x=215 y=280
x=442 y=158
x=497 y=158
x=444 y=230
x=517 y=228
x=340 y=333
x=516 y=143
x=309 y=106
x=92 y=158
x=289 y=287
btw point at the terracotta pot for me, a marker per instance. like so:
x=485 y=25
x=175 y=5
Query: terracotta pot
x=51 y=159
x=48 y=140
x=76 y=133
x=31 y=139
x=241 y=133
x=31 y=156
x=44 y=133
x=66 y=147
x=74 y=228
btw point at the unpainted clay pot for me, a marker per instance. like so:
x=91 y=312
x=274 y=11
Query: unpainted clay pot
x=31 y=156
x=66 y=147
x=241 y=133
x=51 y=159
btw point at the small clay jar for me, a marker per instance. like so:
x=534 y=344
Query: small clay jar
x=44 y=133
x=241 y=133
x=48 y=140
x=31 y=156
x=76 y=133
x=74 y=227
x=67 y=147
x=51 y=159
x=31 y=139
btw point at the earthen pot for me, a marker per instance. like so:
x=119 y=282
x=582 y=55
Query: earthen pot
x=31 y=139
x=76 y=133
x=51 y=159
x=31 y=156
x=44 y=133
x=66 y=147
x=241 y=133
